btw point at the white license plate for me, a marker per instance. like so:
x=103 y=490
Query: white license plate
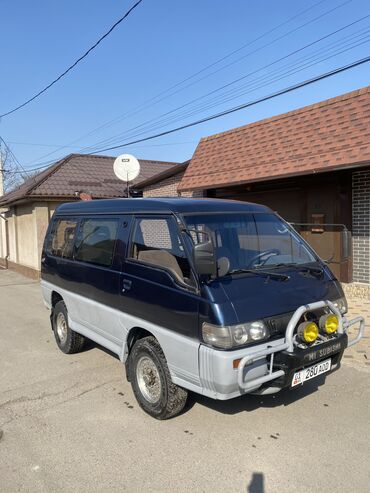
x=311 y=372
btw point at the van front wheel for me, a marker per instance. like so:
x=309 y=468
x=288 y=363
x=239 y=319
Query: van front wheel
x=151 y=381
x=67 y=339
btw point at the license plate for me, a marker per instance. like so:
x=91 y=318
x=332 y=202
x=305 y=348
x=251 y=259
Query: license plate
x=311 y=372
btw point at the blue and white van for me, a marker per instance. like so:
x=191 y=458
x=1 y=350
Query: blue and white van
x=217 y=297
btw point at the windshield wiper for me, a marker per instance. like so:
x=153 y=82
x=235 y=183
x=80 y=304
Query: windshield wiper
x=316 y=271
x=260 y=272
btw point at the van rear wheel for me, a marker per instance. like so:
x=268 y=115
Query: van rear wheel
x=151 y=381
x=67 y=339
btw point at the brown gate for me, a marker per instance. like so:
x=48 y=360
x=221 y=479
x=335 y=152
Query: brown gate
x=332 y=242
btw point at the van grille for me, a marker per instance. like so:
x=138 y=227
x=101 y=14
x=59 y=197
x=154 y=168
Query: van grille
x=278 y=323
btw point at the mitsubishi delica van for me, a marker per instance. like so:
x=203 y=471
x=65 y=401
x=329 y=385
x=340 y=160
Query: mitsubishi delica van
x=217 y=297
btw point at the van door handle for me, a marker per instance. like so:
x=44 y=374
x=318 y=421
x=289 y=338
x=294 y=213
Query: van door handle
x=126 y=285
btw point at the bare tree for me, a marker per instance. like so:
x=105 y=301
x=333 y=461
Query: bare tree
x=13 y=178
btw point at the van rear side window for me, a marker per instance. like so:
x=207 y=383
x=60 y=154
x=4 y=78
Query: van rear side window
x=96 y=240
x=156 y=241
x=62 y=239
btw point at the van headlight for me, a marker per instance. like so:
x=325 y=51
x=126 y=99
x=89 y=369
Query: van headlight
x=341 y=304
x=229 y=336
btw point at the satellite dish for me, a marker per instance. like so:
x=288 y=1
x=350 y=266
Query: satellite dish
x=126 y=167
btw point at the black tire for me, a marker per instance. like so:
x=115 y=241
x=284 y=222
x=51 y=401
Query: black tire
x=72 y=342
x=172 y=398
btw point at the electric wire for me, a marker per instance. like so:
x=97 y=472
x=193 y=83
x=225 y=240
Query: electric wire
x=248 y=104
x=274 y=62
x=252 y=89
x=71 y=67
x=24 y=171
x=267 y=78
x=144 y=105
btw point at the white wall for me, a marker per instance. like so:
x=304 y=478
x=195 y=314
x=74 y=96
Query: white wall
x=27 y=225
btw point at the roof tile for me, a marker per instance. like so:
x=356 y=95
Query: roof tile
x=90 y=173
x=320 y=137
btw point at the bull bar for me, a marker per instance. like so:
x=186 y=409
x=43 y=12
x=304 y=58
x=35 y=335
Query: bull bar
x=288 y=344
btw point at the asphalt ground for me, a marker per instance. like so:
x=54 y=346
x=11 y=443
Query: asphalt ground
x=70 y=423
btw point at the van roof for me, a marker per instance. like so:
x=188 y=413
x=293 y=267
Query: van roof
x=179 y=205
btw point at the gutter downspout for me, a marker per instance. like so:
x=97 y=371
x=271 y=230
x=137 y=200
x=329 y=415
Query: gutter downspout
x=6 y=241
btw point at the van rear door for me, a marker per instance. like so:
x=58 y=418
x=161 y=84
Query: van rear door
x=96 y=277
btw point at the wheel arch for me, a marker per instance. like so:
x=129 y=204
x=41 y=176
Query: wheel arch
x=134 y=334
x=55 y=298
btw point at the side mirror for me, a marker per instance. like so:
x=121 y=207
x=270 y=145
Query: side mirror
x=205 y=259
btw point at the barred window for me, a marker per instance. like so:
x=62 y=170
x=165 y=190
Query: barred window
x=156 y=241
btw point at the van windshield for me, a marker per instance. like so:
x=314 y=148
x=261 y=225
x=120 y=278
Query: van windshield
x=250 y=241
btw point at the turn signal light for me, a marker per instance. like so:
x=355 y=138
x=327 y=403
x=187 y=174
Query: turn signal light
x=329 y=323
x=308 y=331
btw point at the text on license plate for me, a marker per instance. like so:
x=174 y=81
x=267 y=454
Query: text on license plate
x=311 y=372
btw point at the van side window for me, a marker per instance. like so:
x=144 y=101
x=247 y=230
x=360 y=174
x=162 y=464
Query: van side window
x=156 y=241
x=62 y=238
x=96 y=241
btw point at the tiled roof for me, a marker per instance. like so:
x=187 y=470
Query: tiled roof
x=76 y=172
x=321 y=137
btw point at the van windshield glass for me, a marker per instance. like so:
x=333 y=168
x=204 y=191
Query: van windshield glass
x=250 y=241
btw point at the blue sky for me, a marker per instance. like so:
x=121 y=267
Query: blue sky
x=162 y=43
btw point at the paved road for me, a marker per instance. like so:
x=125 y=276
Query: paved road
x=71 y=424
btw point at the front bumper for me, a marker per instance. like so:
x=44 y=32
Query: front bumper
x=290 y=358
x=270 y=366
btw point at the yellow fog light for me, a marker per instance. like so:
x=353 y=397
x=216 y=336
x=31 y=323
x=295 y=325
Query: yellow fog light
x=308 y=331
x=329 y=323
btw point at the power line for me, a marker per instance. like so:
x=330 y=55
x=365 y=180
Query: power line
x=239 y=107
x=253 y=88
x=73 y=64
x=14 y=158
x=142 y=126
x=36 y=144
x=274 y=62
x=234 y=109
x=146 y=105
x=283 y=72
x=42 y=166
x=245 y=105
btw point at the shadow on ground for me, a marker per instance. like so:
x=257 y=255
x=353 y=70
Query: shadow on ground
x=257 y=483
x=250 y=402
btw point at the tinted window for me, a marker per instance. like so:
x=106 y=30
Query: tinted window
x=156 y=241
x=96 y=241
x=62 y=238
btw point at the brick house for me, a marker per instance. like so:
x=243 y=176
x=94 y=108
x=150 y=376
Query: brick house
x=166 y=184
x=311 y=165
x=26 y=211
